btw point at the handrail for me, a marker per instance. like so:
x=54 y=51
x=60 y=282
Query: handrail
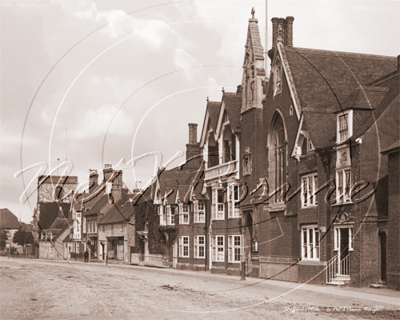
x=331 y=269
x=345 y=266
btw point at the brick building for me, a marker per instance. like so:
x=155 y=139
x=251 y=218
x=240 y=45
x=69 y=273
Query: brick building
x=325 y=117
x=221 y=149
x=390 y=239
x=99 y=203
x=181 y=207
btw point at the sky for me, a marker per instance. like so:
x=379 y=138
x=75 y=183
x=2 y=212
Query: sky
x=94 y=82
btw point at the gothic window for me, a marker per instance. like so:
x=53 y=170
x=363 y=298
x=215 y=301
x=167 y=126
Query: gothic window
x=277 y=71
x=279 y=156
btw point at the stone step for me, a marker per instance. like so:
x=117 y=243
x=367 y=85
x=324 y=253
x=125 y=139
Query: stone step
x=378 y=286
x=335 y=282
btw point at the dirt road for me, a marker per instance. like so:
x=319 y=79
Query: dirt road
x=39 y=289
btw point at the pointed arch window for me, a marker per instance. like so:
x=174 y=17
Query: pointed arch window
x=279 y=156
x=277 y=72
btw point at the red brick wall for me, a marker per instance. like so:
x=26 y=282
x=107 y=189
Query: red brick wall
x=393 y=236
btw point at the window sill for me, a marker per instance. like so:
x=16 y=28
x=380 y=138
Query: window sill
x=311 y=206
x=341 y=204
x=312 y=262
x=277 y=207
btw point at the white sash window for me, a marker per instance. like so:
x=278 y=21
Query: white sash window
x=199 y=247
x=234 y=247
x=184 y=247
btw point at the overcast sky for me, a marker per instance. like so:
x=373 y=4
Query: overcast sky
x=133 y=74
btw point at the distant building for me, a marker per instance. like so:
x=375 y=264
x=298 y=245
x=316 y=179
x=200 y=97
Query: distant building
x=10 y=224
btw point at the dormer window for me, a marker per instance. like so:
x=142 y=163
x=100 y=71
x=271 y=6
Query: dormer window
x=304 y=144
x=225 y=118
x=344 y=126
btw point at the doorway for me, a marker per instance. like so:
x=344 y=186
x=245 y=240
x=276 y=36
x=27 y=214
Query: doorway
x=343 y=245
x=175 y=253
x=382 y=240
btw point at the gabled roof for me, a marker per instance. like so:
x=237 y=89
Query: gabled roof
x=122 y=211
x=49 y=211
x=233 y=104
x=325 y=79
x=393 y=148
x=58 y=227
x=8 y=220
x=210 y=119
x=98 y=205
x=180 y=182
x=327 y=82
x=213 y=110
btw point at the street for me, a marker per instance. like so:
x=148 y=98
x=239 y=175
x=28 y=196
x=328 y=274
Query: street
x=41 y=289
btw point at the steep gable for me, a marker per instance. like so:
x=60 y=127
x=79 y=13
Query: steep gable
x=8 y=220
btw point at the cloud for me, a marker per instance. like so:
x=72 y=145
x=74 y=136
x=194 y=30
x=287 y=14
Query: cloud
x=184 y=60
x=94 y=123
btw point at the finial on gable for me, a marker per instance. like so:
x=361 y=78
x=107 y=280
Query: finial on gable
x=207 y=99
x=252 y=12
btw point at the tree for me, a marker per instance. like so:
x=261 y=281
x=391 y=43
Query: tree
x=23 y=238
x=3 y=239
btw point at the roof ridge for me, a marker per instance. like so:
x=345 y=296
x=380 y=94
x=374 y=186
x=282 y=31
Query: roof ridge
x=366 y=55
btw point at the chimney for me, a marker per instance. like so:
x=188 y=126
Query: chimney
x=93 y=180
x=107 y=172
x=117 y=186
x=289 y=31
x=282 y=29
x=193 y=148
x=192 y=133
x=274 y=31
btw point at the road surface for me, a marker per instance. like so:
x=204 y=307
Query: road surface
x=40 y=289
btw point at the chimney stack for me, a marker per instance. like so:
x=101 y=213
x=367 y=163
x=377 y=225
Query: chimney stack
x=93 y=180
x=117 y=186
x=283 y=28
x=289 y=31
x=116 y=181
x=192 y=133
x=107 y=172
x=193 y=148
